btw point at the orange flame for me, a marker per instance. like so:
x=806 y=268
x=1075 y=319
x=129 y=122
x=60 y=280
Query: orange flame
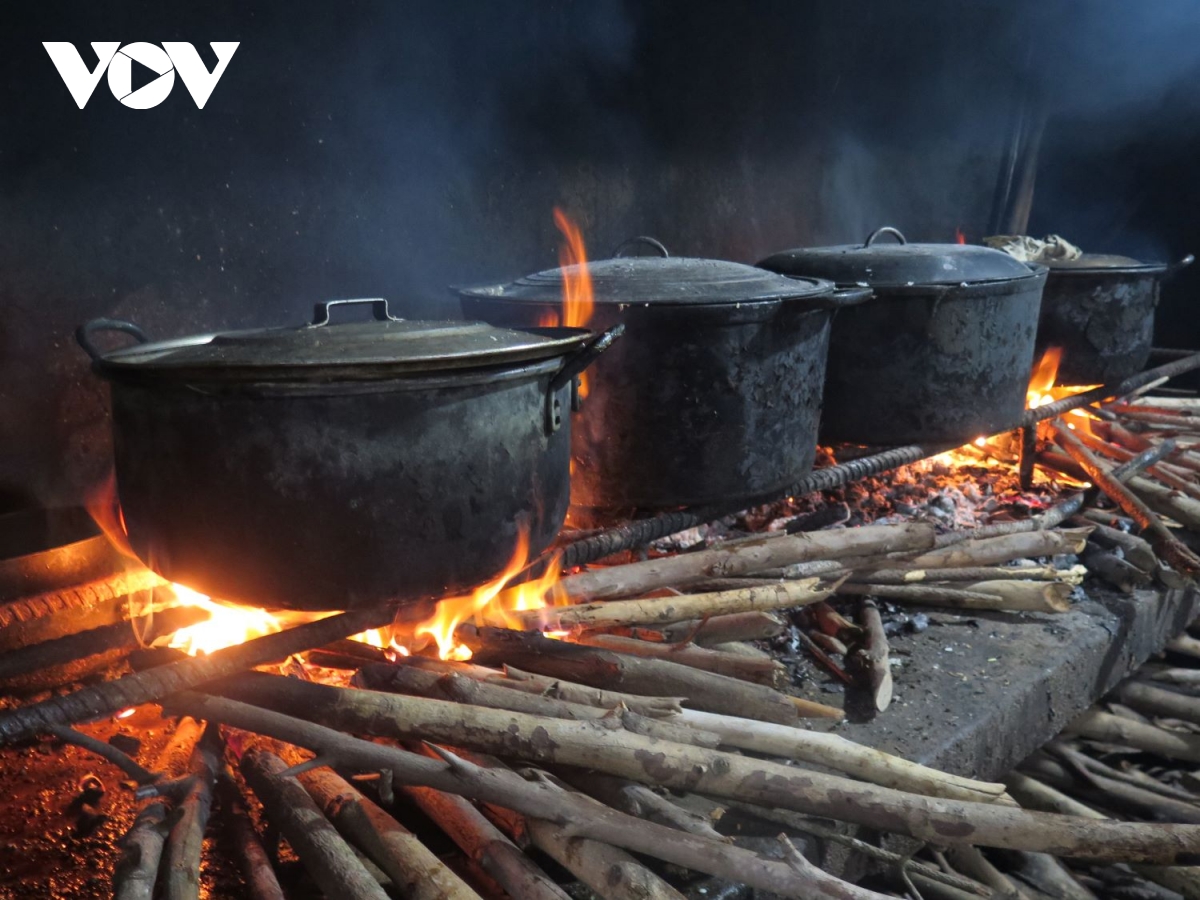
x=490 y=603
x=959 y=237
x=104 y=507
x=1043 y=390
x=224 y=627
x=578 y=301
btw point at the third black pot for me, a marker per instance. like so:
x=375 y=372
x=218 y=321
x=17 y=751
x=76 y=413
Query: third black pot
x=713 y=394
x=944 y=350
x=1100 y=310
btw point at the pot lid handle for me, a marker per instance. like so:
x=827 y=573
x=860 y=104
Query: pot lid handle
x=640 y=239
x=886 y=229
x=379 y=309
x=83 y=334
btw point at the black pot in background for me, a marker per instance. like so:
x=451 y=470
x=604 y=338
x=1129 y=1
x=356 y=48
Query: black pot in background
x=942 y=353
x=1100 y=310
x=337 y=466
x=714 y=393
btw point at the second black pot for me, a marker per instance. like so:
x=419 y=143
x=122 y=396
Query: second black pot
x=714 y=393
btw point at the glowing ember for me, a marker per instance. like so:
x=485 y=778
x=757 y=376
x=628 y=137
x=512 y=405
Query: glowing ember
x=125 y=713
x=225 y=626
x=490 y=604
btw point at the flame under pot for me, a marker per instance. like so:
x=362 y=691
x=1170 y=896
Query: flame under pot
x=334 y=483
x=713 y=395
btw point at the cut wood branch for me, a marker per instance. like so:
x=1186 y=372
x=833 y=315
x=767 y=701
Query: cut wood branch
x=153 y=684
x=181 y=856
x=1005 y=548
x=1168 y=502
x=1137 y=551
x=590 y=745
x=1168 y=546
x=1158 y=702
x=118 y=758
x=641 y=801
x=870 y=661
x=140 y=853
x=1014 y=596
x=744 y=559
x=1102 y=726
x=1073 y=575
x=414 y=871
x=1122 y=575
x=588 y=665
x=746 y=626
x=257 y=871
x=665 y=610
x=767 y=672
x=326 y=856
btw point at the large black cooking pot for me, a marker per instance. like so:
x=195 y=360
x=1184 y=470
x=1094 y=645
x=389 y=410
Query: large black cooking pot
x=334 y=466
x=1100 y=310
x=944 y=350
x=714 y=393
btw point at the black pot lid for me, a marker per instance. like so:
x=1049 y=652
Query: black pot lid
x=385 y=347
x=1094 y=261
x=660 y=280
x=881 y=262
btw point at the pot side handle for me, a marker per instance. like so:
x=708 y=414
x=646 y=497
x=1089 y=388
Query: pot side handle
x=1176 y=267
x=584 y=357
x=843 y=297
x=83 y=334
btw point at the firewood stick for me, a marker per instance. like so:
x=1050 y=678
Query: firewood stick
x=664 y=610
x=829 y=750
x=534 y=799
x=141 y=850
x=518 y=680
x=1157 y=702
x=1122 y=575
x=1137 y=551
x=1169 y=547
x=414 y=871
x=590 y=745
x=106 y=751
x=589 y=665
x=744 y=558
x=147 y=686
x=462 y=689
x=1102 y=726
x=1186 y=645
x=325 y=855
x=181 y=855
x=745 y=626
x=1005 y=548
x=69 y=658
x=638 y=800
x=1168 y=502
x=1013 y=596
x=1183 y=677
x=1141 y=462
x=252 y=860
x=767 y=672
x=1109 y=793
x=968 y=861
x=1073 y=575
x=610 y=873
x=485 y=844
x=870 y=661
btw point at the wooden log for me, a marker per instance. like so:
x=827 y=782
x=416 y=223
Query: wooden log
x=710 y=632
x=1073 y=575
x=1102 y=726
x=518 y=680
x=462 y=689
x=587 y=665
x=1022 y=596
x=767 y=672
x=485 y=844
x=665 y=610
x=1168 y=502
x=744 y=558
x=327 y=858
x=1158 y=702
x=1137 y=551
x=639 y=800
x=869 y=662
x=181 y=855
x=150 y=685
x=1122 y=575
x=589 y=745
x=1005 y=548
x=1168 y=546
x=257 y=872
x=414 y=871
x=611 y=873
x=140 y=853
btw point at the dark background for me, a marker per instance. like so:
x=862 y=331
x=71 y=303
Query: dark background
x=396 y=148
